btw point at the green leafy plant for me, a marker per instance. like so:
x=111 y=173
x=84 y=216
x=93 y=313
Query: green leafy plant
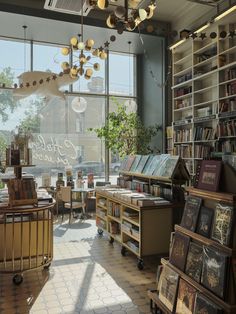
x=125 y=134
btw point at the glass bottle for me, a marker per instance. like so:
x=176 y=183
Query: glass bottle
x=60 y=182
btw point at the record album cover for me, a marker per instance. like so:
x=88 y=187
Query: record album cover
x=214 y=269
x=205 y=221
x=204 y=306
x=179 y=250
x=186 y=298
x=209 y=176
x=194 y=261
x=190 y=214
x=222 y=224
x=168 y=284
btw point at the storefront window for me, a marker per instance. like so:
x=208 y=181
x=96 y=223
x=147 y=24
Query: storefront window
x=59 y=122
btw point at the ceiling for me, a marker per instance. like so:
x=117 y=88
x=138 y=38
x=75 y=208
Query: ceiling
x=51 y=26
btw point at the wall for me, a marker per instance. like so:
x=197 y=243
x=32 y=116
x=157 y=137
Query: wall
x=151 y=90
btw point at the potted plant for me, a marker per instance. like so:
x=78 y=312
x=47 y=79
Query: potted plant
x=125 y=134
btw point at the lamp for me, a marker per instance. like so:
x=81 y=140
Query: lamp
x=130 y=104
x=79 y=104
x=83 y=52
x=125 y=18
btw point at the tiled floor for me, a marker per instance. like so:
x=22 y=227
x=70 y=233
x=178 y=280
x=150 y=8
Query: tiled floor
x=87 y=275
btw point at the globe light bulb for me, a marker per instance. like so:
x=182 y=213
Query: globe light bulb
x=81 y=45
x=65 y=51
x=74 y=41
x=79 y=104
x=142 y=14
x=65 y=65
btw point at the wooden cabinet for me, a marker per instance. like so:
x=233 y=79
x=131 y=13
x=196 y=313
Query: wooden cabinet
x=141 y=211
x=143 y=230
x=204 y=93
x=226 y=299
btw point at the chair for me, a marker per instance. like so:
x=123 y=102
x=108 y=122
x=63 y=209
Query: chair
x=68 y=203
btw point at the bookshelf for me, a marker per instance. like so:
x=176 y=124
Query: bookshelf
x=204 y=94
x=142 y=207
x=219 y=288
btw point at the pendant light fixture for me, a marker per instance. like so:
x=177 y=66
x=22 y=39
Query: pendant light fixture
x=125 y=17
x=130 y=103
x=83 y=53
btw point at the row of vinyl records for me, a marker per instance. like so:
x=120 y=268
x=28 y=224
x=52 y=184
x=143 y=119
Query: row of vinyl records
x=162 y=165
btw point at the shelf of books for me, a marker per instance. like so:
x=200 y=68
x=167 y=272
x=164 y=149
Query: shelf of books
x=200 y=274
x=140 y=207
x=204 y=93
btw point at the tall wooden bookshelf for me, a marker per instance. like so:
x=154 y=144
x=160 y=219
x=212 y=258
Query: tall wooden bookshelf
x=204 y=93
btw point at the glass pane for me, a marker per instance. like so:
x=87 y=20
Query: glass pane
x=96 y=84
x=131 y=106
x=47 y=58
x=15 y=59
x=121 y=74
x=129 y=103
x=59 y=134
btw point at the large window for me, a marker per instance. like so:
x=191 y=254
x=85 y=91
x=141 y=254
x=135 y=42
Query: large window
x=59 y=122
x=122 y=74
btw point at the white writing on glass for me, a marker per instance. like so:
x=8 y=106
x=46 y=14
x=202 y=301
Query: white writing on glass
x=53 y=152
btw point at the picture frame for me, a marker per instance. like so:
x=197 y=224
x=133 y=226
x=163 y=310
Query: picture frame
x=209 y=175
